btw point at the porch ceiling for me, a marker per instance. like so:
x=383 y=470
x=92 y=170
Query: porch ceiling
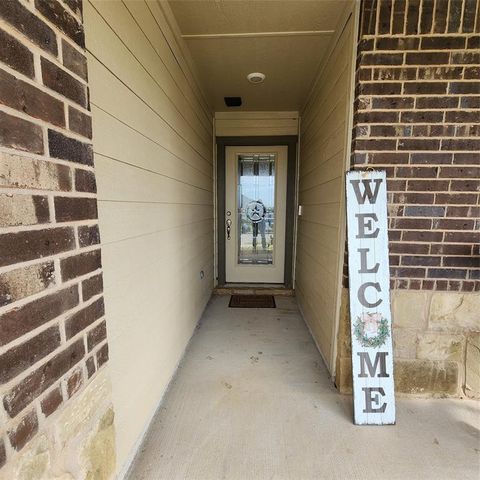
x=286 y=40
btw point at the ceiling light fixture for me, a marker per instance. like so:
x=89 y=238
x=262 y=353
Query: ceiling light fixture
x=256 y=77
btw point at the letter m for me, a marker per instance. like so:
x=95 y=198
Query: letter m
x=367 y=190
x=380 y=359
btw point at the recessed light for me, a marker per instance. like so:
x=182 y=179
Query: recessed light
x=256 y=77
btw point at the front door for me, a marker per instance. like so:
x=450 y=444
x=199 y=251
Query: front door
x=255 y=211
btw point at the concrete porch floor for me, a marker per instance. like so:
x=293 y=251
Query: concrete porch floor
x=252 y=400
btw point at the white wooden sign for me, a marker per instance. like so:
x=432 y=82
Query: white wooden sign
x=369 y=284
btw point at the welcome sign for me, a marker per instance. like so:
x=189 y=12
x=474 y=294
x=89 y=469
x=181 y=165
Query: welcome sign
x=369 y=283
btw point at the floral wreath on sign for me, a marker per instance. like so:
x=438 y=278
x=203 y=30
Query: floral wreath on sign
x=371 y=330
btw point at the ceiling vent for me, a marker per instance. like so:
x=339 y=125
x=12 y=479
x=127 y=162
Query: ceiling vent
x=233 y=101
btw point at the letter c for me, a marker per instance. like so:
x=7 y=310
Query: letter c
x=361 y=294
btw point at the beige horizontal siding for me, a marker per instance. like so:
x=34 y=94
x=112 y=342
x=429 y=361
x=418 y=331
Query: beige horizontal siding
x=242 y=124
x=153 y=158
x=323 y=158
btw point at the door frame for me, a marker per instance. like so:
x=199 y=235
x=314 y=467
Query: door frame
x=291 y=142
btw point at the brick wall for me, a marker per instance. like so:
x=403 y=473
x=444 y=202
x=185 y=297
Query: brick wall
x=417 y=117
x=52 y=326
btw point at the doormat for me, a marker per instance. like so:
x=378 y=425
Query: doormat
x=252 y=301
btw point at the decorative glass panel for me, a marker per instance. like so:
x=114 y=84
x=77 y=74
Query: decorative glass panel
x=256 y=209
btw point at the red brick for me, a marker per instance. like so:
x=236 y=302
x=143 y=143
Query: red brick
x=417 y=248
x=21 y=18
x=78 y=265
x=96 y=335
x=422 y=236
x=21 y=395
x=63 y=83
x=413 y=223
x=19 y=358
x=28 y=245
x=463 y=87
x=74 y=60
x=381 y=144
x=90 y=363
x=455 y=198
x=465 y=158
x=446 y=273
x=374 y=58
x=394 y=73
x=68 y=24
x=466 y=58
x=88 y=235
x=461 y=116
x=469 y=15
x=394 y=103
x=409 y=272
x=380 y=88
x=462 y=237
x=418 y=144
x=471 y=262
x=71 y=209
x=443 y=43
x=454 y=15
x=102 y=355
x=427 y=58
x=85 y=317
x=16 y=55
x=67 y=148
x=74 y=382
x=413 y=13
x=85 y=181
x=92 y=286
x=467 y=211
x=431 y=158
x=21 y=320
x=76 y=6
x=415 y=198
x=422 y=117
x=417 y=172
x=461 y=144
x=422 y=261
x=445 y=249
x=426 y=18
x=423 y=88
x=52 y=401
x=20 y=134
x=388 y=158
x=24 y=431
x=79 y=122
x=26 y=98
x=397 y=43
x=440 y=73
x=465 y=185
x=398 y=18
x=428 y=185
x=440 y=17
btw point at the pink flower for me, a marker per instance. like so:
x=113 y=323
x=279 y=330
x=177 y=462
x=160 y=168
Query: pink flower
x=370 y=324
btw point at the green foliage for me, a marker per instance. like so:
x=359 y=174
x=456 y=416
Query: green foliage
x=373 y=342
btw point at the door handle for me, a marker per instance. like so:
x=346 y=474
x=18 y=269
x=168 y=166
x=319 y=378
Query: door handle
x=229 y=226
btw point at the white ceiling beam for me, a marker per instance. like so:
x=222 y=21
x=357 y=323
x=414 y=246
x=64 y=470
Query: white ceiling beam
x=208 y=36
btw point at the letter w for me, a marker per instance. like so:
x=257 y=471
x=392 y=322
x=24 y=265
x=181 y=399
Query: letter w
x=380 y=358
x=367 y=191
